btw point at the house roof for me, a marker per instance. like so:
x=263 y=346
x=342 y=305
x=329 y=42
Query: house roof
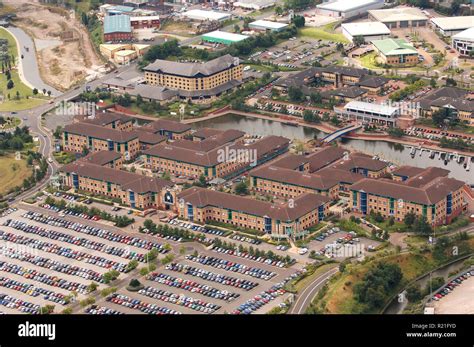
x=201 y=197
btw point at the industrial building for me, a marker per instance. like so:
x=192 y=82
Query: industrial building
x=117 y=28
x=400 y=17
x=144 y=22
x=223 y=37
x=265 y=25
x=367 y=30
x=348 y=8
x=396 y=52
x=449 y=26
x=254 y=4
x=463 y=42
x=202 y=15
x=369 y=113
x=122 y=53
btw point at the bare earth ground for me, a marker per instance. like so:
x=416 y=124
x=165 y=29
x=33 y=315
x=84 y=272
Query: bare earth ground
x=74 y=59
x=459 y=301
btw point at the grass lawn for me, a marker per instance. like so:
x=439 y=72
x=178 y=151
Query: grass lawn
x=12 y=172
x=325 y=32
x=368 y=61
x=340 y=297
x=12 y=104
x=12 y=49
x=64 y=157
x=11 y=122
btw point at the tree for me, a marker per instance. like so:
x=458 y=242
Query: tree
x=421 y=226
x=299 y=21
x=316 y=98
x=241 y=188
x=433 y=83
x=278 y=10
x=358 y=40
x=10 y=84
x=409 y=219
x=236 y=28
x=295 y=94
x=395 y=132
x=35 y=91
x=308 y=116
x=450 y=82
x=202 y=181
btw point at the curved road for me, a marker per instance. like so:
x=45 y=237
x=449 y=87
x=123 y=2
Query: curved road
x=32 y=119
x=28 y=66
x=303 y=300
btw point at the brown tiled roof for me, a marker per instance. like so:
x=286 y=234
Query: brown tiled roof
x=304 y=204
x=101 y=157
x=342 y=176
x=99 y=132
x=127 y=180
x=290 y=161
x=204 y=133
x=263 y=147
x=361 y=161
x=105 y=118
x=212 y=141
x=407 y=171
x=167 y=125
x=148 y=137
x=297 y=178
x=426 y=176
x=325 y=157
x=430 y=194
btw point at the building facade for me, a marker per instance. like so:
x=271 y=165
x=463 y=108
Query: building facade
x=196 y=80
x=280 y=221
x=130 y=189
x=428 y=193
x=78 y=136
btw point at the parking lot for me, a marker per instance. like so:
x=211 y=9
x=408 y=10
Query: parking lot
x=456 y=296
x=47 y=257
x=339 y=244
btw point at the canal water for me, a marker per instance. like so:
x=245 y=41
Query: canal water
x=396 y=154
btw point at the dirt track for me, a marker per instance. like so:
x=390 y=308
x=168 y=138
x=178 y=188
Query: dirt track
x=65 y=54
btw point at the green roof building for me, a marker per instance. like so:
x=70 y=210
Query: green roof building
x=223 y=37
x=396 y=51
x=117 y=28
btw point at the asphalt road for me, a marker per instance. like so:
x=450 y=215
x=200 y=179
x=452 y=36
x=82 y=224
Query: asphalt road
x=29 y=65
x=303 y=299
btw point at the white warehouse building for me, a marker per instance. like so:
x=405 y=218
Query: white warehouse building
x=368 y=30
x=463 y=42
x=348 y=8
x=449 y=26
